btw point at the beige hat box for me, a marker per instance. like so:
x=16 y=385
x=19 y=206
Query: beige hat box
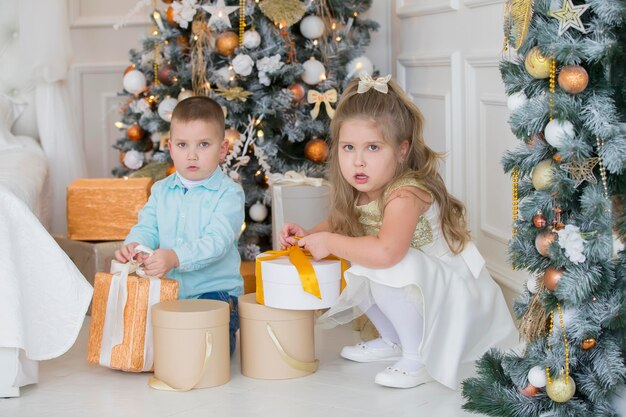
x=191 y=344
x=275 y=343
x=282 y=287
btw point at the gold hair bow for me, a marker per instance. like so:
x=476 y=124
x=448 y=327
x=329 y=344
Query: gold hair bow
x=327 y=97
x=367 y=82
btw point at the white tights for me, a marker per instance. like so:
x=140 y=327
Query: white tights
x=397 y=320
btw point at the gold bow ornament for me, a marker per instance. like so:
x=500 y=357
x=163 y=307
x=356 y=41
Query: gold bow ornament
x=378 y=84
x=302 y=261
x=328 y=97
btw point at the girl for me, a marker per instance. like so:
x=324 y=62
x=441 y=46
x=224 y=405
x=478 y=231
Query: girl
x=414 y=273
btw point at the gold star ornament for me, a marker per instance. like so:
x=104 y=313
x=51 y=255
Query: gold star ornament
x=581 y=171
x=569 y=16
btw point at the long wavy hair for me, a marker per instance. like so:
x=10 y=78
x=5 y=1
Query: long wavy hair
x=398 y=119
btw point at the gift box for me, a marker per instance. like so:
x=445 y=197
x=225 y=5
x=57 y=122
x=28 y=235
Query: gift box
x=275 y=344
x=105 y=208
x=290 y=279
x=297 y=199
x=191 y=344
x=120 y=336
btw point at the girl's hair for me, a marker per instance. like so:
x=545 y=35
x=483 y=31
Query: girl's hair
x=397 y=119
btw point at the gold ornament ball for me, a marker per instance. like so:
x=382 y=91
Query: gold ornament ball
x=316 y=150
x=559 y=391
x=573 y=79
x=551 y=278
x=588 y=343
x=543 y=242
x=537 y=64
x=298 y=92
x=542 y=175
x=134 y=132
x=530 y=390
x=226 y=43
x=231 y=135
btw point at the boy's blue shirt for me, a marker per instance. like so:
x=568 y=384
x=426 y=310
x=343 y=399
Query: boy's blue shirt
x=202 y=225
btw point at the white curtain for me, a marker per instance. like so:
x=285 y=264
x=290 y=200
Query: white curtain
x=46 y=48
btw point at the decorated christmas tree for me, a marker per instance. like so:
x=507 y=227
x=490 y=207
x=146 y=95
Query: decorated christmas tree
x=563 y=69
x=276 y=67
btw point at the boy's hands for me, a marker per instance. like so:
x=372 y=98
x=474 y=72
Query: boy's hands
x=317 y=244
x=288 y=232
x=127 y=252
x=161 y=261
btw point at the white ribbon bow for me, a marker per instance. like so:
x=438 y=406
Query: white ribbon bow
x=327 y=97
x=294 y=178
x=367 y=82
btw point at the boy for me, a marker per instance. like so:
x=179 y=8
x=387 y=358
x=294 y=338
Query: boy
x=193 y=217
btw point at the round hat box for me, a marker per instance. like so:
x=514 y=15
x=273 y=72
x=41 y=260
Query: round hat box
x=275 y=343
x=191 y=344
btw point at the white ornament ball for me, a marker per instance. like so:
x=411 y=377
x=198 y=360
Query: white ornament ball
x=537 y=376
x=225 y=73
x=242 y=64
x=312 y=27
x=314 y=72
x=133 y=159
x=251 y=39
x=166 y=107
x=516 y=100
x=557 y=132
x=531 y=284
x=258 y=212
x=134 y=82
x=185 y=94
x=358 y=65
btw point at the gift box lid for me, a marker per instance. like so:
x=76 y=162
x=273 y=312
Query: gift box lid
x=304 y=192
x=190 y=314
x=250 y=309
x=284 y=272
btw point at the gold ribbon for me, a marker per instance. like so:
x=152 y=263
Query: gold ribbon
x=301 y=260
x=235 y=93
x=327 y=97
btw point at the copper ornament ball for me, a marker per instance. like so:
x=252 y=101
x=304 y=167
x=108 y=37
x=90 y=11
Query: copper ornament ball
x=540 y=221
x=167 y=1
x=589 y=343
x=231 y=135
x=573 y=79
x=551 y=278
x=166 y=74
x=536 y=139
x=169 y=16
x=130 y=68
x=298 y=92
x=530 y=390
x=316 y=150
x=543 y=242
x=134 y=132
x=170 y=170
x=226 y=43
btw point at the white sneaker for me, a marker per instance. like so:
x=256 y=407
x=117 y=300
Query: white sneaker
x=361 y=352
x=397 y=378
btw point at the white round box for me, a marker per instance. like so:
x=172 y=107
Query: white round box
x=282 y=287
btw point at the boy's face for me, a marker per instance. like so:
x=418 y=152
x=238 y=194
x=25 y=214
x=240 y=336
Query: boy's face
x=196 y=147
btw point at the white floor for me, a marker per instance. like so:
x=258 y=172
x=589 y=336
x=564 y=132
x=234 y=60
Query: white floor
x=69 y=386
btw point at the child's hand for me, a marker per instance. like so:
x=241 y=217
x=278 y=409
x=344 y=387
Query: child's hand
x=288 y=232
x=126 y=253
x=161 y=261
x=317 y=244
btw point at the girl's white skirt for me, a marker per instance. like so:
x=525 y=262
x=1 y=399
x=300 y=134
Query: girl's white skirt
x=463 y=308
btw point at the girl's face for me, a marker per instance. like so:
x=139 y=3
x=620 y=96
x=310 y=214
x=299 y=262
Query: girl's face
x=366 y=161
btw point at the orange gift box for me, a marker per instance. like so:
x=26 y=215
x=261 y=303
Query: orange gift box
x=105 y=208
x=129 y=355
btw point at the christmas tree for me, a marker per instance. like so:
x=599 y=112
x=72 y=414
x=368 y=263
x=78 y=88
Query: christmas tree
x=567 y=100
x=276 y=67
